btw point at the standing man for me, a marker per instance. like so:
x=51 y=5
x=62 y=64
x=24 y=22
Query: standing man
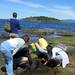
x=14 y=23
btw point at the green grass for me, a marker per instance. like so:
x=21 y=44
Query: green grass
x=65 y=39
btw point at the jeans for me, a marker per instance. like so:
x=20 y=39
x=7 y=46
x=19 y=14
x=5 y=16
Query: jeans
x=8 y=60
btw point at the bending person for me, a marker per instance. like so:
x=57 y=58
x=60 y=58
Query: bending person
x=57 y=56
x=10 y=47
x=41 y=48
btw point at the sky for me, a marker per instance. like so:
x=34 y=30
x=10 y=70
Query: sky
x=60 y=9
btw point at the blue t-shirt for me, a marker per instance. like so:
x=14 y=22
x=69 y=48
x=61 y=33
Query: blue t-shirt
x=14 y=25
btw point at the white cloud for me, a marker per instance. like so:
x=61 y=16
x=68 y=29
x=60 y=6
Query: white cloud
x=58 y=10
x=30 y=4
x=65 y=11
x=62 y=7
x=14 y=1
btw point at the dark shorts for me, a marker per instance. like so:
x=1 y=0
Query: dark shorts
x=21 y=53
x=41 y=55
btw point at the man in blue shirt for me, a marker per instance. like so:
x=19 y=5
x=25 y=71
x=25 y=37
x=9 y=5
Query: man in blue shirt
x=15 y=26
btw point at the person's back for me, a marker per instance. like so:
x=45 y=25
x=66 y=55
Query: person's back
x=59 y=53
x=15 y=26
x=12 y=44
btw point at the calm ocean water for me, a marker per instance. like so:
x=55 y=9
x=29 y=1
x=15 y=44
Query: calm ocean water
x=42 y=25
x=48 y=25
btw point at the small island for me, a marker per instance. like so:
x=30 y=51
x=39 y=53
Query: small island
x=43 y=18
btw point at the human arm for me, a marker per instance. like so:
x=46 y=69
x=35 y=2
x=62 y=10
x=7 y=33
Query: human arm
x=18 y=25
x=40 y=49
x=53 y=53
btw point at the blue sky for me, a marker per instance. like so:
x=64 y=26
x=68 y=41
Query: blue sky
x=61 y=9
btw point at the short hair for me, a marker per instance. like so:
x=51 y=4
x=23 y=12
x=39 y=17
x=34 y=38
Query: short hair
x=13 y=35
x=14 y=14
x=26 y=38
x=49 y=49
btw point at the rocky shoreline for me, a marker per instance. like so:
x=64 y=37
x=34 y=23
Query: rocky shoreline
x=49 y=31
x=65 y=32
x=41 y=32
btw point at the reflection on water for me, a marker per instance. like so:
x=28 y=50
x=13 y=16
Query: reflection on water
x=52 y=36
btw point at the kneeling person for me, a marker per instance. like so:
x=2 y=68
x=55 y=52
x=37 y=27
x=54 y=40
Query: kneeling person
x=57 y=56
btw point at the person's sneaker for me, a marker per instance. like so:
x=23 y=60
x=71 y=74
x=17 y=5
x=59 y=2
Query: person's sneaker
x=3 y=69
x=13 y=74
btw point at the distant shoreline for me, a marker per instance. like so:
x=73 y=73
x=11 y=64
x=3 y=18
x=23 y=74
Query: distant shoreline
x=49 y=31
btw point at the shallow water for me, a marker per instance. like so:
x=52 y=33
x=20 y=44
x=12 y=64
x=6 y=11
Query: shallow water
x=35 y=37
x=71 y=52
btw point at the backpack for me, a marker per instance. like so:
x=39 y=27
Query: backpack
x=7 y=27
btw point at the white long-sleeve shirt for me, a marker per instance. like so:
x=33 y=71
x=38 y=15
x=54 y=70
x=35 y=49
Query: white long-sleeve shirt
x=65 y=58
x=13 y=44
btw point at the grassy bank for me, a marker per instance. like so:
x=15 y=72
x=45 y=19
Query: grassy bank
x=69 y=40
